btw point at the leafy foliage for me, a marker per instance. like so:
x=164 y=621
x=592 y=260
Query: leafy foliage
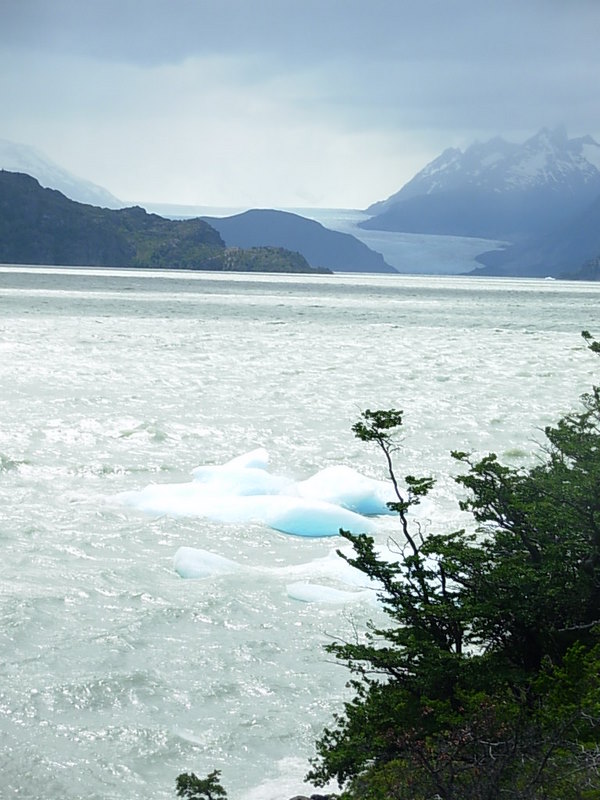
x=191 y=787
x=486 y=683
x=265 y=259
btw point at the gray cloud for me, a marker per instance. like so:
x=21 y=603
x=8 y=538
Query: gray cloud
x=168 y=31
x=393 y=80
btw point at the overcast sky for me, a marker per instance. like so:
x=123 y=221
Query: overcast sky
x=287 y=103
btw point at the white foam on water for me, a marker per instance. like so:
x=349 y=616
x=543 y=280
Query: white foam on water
x=287 y=783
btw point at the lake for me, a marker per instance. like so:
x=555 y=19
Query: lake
x=117 y=673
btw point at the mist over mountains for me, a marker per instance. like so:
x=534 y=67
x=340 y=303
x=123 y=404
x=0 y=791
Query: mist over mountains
x=497 y=189
x=23 y=158
x=541 y=197
x=321 y=248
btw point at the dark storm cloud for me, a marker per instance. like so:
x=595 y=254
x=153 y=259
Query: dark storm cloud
x=333 y=86
x=387 y=62
x=164 y=31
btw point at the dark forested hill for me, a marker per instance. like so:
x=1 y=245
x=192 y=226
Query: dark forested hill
x=321 y=247
x=42 y=226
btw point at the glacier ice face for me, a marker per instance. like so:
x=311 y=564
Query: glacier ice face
x=242 y=490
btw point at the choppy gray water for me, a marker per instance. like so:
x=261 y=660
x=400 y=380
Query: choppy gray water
x=116 y=673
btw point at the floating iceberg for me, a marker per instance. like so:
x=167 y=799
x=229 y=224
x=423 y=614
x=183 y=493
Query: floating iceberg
x=316 y=593
x=293 y=515
x=302 y=517
x=194 y=562
x=258 y=459
x=346 y=487
x=242 y=490
x=244 y=475
x=191 y=562
x=331 y=566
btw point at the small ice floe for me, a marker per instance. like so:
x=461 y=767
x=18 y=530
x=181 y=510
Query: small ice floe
x=191 y=562
x=243 y=475
x=346 y=487
x=242 y=490
x=331 y=566
x=316 y=593
x=196 y=563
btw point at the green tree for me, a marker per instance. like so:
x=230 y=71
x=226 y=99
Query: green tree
x=486 y=684
x=191 y=787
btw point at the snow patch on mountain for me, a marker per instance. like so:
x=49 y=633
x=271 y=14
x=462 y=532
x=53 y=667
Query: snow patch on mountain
x=548 y=159
x=497 y=190
x=590 y=151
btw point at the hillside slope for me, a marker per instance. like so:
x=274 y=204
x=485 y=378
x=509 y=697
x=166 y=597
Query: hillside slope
x=322 y=248
x=497 y=190
x=561 y=253
x=16 y=157
x=42 y=226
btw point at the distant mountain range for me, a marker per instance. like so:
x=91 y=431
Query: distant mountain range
x=321 y=247
x=497 y=190
x=42 y=226
x=542 y=197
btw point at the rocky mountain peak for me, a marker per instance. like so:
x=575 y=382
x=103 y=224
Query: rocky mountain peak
x=549 y=158
x=497 y=189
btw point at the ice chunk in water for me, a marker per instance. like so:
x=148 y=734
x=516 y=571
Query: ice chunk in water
x=244 y=475
x=242 y=490
x=255 y=459
x=293 y=515
x=302 y=517
x=346 y=487
x=191 y=562
x=333 y=566
x=316 y=593
x=241 y=481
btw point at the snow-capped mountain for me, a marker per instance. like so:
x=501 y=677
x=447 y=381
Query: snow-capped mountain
x=22 y=158
x=497 y=189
